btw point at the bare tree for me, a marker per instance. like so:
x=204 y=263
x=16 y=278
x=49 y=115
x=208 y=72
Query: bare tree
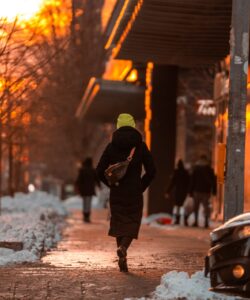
x=25 y=54
x=44 y=66
x=67 y=74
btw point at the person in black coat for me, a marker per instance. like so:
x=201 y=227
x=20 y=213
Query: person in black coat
x=86 y=182
x=180 y=183
x=126 y=199
x=203 y=185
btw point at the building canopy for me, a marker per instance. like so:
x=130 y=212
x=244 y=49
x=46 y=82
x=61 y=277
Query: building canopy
x=103 y=100
x=175 y=32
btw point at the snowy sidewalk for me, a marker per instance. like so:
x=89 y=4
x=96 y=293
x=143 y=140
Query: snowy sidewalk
x=84 y=266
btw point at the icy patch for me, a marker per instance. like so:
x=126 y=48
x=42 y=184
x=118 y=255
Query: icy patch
x=179 y=285
x=35 y=220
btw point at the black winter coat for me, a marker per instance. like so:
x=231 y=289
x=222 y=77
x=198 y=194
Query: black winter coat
x=180 y=183
x=126 y=200
x=203 y=179
x=86 y=181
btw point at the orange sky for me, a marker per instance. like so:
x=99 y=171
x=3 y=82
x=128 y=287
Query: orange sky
x=24 y=10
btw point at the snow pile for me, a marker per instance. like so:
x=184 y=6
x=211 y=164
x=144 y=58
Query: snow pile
x=179 y=285
x=156 y=219
x=35 y=220
x=31 y=202
x=161 y=220
x=175 y=285
x=75 y=202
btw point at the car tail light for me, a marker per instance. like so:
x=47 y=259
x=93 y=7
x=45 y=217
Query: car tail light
x=244 y=232
x=238 y=271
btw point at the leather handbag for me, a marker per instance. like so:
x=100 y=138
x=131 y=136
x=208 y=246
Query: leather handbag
x=117 y=171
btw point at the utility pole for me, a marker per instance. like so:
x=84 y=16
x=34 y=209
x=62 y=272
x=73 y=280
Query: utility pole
x=235 y=166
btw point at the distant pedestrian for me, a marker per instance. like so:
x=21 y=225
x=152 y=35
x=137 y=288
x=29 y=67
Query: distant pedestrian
x=179 y=183
x=202 y=186
x=86 y=182
x=126 y=199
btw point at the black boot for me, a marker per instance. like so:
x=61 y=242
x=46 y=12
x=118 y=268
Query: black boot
x=86 y=217
x=177 y=220
x=186 y=220
x=206 y=222
x=196 y=220
x=122 y=251
x=122 y=262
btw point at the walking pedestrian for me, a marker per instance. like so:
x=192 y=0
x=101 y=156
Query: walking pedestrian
x=86 y=182
x=202 y=186
x=126 y=197
x=180 y=183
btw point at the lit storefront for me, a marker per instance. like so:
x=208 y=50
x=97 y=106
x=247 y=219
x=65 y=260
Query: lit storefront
x=121 y=88
x=108 y=7
x=195 y=116
x=144 y=33
x=221 y=97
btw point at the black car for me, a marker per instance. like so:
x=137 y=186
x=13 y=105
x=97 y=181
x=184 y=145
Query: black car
x=228 y=260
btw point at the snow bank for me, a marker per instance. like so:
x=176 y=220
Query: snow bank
x=163 y=220
x=153 y=218
x=75 y=202
x=176 y=285
x=31 y=202
x=35 y=220
x=179 y=285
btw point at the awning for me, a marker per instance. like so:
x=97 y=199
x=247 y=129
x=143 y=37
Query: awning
x=103 y=100
x=177 y=32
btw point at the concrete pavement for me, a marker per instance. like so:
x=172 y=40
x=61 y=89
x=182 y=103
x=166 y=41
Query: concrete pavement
x=84 y=265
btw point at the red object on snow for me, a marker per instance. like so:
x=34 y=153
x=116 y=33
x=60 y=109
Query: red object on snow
x=164 y=221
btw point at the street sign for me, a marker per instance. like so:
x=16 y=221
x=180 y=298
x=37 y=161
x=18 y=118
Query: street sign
x=206 y=107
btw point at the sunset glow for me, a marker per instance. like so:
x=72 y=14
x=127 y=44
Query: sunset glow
x=24 y=10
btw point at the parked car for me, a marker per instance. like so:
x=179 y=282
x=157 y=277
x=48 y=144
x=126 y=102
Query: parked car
x=228 y=259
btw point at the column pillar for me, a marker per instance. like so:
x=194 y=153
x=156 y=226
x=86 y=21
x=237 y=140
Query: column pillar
x=163 y=134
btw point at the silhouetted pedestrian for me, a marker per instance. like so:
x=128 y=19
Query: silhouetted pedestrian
x=86 y=182
x=202 y=186
x=180 y=183
x=126 y=199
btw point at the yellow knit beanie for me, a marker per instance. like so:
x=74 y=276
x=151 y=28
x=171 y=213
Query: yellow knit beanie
x=125 y=120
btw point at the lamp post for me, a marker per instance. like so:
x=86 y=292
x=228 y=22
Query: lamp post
x=239 y=44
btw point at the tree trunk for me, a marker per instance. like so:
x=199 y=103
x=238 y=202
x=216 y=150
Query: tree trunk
x=10 y=179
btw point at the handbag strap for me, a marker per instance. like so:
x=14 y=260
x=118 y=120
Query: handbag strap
x=132 y=152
